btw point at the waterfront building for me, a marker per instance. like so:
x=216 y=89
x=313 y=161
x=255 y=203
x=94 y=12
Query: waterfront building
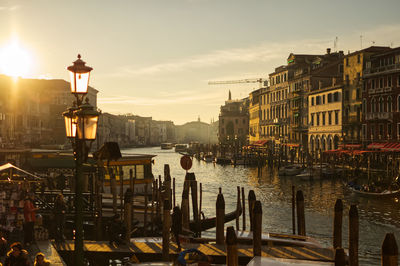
x=264 y=115
x=353 y=69
x=234 y=122
x=254 y=116
x=30 y=111
x=325 y=116
x=381 y=97
x=276 y=125
x=310 y=72
x=196 y=131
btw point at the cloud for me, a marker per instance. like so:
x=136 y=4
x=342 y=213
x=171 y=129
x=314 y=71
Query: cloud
x=181 y=98
x=9 y=8
x=260 y=53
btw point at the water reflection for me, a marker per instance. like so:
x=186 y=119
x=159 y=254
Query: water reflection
x=377 y=216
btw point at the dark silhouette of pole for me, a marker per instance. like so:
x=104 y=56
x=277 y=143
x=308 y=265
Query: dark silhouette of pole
x=390 y=251
x=337 y=224
x=257 y=226
x=232 y=258
x=244 y=209
x=251 y=200
x=293 y=211
x=340 y=257
x=301 y=220
x=220 y=219
x=353 y=236
x=166 y=229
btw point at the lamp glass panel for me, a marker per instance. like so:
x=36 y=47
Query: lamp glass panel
x=70 y=127
x=87 y=127
x=82 y=82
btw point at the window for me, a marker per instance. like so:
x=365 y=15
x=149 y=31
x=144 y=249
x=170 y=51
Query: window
x=312 y=119
x=317 y=119
x=358 y=76
x=223 y=121
x=312 y=101
x=336 y=117
x=323 y=118
x=244 y=121
x=358 y=59
x=373 y=84
x=398 y=130
x=347 y=61
x=330 y=118
x=318 y=100
x=347 y=80
x=380 y=105
x=329 y=97
x=364 y=131
x=323 y=99
x=389 y=130
x=398 y=103
x=381 y=83
x=398 y=81
x=380 y=130
x=389 y=81
x=389 y=104
x=346 y=95
x=373 y=105
x=336 y=97
x=358 y=93
x=236 y=121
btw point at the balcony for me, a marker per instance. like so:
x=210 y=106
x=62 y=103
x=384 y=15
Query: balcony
x=382 y=70
x=379 y=116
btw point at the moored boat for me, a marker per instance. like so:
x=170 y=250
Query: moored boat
x=181 y=148
x=290 y=170
x=167 y=146
x=386 y=193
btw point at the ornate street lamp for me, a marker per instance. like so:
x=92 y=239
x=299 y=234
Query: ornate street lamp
x=80 y=127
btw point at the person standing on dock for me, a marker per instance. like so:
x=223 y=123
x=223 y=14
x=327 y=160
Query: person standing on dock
x=176 y=226
x=30 y=218
x=59 y=214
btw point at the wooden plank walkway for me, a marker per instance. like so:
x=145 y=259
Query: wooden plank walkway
x=153 y=250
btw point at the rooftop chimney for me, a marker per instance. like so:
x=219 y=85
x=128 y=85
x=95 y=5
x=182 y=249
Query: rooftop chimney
x=328 y=50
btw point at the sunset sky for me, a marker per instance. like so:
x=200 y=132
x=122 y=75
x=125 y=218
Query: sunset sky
x=155 y=57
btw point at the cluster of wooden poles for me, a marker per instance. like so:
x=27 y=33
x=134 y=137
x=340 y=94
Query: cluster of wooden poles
x=165 y=198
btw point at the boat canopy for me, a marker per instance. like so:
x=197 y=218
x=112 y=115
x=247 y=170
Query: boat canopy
x=9 y=167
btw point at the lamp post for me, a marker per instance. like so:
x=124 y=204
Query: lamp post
x=80 y=127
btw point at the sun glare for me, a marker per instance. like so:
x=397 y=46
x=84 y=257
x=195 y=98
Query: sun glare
x=14 y=60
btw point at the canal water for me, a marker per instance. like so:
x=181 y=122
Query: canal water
x=377 y=216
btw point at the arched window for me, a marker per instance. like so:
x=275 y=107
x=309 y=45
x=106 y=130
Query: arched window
x=285 y=110
x=398 y=103
x=264 y=114
x=267 y=114
x=380 y=105
x=389 y=104
x=373 y=105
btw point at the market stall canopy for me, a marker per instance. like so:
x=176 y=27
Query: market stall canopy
x=9 y=167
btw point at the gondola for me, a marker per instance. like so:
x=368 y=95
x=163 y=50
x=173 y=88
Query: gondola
x=209 y=223
x=385 y=193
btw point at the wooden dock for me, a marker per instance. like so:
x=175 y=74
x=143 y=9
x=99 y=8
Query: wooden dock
x=152 y=251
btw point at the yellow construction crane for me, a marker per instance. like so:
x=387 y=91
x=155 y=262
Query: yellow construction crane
x=261 y=81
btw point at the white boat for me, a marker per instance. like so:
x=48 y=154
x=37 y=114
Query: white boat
x=167 y=146
x=290 y=170
x=308 y=174
x=181 y=147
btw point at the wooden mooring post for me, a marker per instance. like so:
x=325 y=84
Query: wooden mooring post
x=220 y=218
x=145 y=210
x=238 y=208
x=173 y=191
x=244 y=209
x=353 y=235
x=195 y=207
x=200 y=206
x=166 y=229
x=301 y=220
x=340 y=257
x=251 y=200
x=390 y=251
x=257 y=226
x=185 y=204
x=232 y=258
x=337 y=224
x=293 y=211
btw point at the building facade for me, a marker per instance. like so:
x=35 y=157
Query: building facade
x=234 y=122
x=353 y=69
x=381 y=97
x=325 y=116
x=254 y=116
